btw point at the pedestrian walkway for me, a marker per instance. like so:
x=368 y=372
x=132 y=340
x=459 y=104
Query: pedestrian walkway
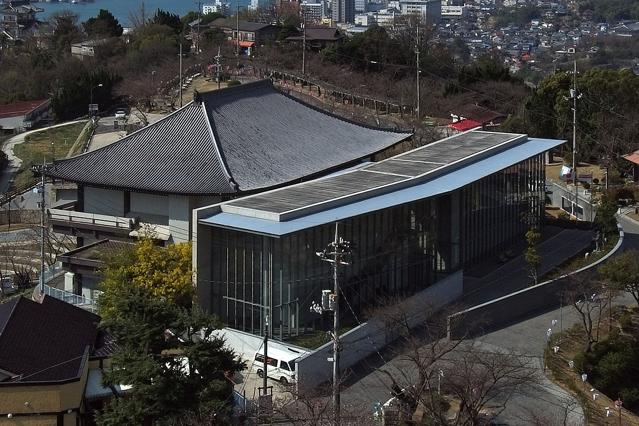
x=15 y=162
x=514 y=275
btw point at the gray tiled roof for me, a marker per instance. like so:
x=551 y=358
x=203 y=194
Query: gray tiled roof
x=176 y=155
x=252 y=135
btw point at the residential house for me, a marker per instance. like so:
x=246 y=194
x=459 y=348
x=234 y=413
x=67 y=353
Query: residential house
x=318 y=38
x=52 y=356
x=87 y=48
x=16 y=18
x=21 y=116
x=471 y=116
x=249 y=35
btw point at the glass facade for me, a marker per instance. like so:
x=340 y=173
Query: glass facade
x=396 y=252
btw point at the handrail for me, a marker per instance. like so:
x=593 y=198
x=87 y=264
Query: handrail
x=66 y=296
x=90 y=218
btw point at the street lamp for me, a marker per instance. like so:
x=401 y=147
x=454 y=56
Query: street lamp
x=91 y=98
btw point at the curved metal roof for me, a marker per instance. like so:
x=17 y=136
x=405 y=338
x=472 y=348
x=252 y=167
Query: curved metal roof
x=240 y=139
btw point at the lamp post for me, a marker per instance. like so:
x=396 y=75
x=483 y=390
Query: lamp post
x=91 y=97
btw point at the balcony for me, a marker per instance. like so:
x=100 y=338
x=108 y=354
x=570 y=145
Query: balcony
x=100 y=226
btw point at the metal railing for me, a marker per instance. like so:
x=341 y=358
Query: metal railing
x=74 y=217
x=66 y=296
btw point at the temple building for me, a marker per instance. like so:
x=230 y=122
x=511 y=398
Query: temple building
x=223 y=145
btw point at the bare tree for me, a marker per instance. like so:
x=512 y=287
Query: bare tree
x=588 y=298
x=483 y=382
x=568 y=406
x=314 y=407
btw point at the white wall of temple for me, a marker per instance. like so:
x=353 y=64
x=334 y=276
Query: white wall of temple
x=103 y=201
x=151 y=204
x=179 y=217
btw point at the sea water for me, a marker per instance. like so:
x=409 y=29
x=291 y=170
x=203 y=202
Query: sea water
x=122 y=9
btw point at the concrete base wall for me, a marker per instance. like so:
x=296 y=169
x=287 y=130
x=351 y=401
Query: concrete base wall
x=246 y=344
x=360 y=342
x=518 y=305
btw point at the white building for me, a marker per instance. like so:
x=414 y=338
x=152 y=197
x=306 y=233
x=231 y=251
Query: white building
x=451 y=12
x=429 y=10
x=217 y=7
x=386 y=17
x=313 y=12
x=365 y=19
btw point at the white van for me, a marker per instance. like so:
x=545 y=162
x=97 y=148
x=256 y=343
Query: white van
x=281 y=364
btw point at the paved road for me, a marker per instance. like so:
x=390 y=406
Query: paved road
x=513 y=275
x=547 y=402
x=105 y=137
x=15 y=162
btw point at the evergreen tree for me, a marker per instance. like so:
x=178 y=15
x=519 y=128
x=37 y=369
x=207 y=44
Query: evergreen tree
x=167 y=354
x=103 y=25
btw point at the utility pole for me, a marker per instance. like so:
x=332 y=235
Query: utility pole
x=334 y=253
x=417 y=73
x=180 y=73
x=42 y=242
x=573 y=95
x=303 y=40
x=218 y=66
x=237 y=34
x=199 y=11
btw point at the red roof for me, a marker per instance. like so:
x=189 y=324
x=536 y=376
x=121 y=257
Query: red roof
x=464 y=125
x=633 y=158
x=20 y=108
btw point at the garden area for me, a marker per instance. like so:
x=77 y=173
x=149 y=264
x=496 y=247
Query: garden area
x=54 y=143
x=597 y=358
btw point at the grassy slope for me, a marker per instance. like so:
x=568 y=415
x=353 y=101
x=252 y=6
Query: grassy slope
x=47 y=143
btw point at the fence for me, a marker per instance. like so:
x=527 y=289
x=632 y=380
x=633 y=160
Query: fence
x=69 y=217
x=66 y=296
x=7 y=217
x=506 y=310
x=336 y=94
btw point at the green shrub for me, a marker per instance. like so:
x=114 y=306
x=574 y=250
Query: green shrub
x=581 y=362
x=629 y=396
x=625 y=321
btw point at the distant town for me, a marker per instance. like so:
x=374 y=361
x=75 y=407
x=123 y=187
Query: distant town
x=334 y=213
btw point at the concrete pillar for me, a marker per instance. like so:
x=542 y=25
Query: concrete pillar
x=69 y=282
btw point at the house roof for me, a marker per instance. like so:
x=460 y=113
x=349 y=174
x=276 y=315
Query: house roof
x=464 y=125
x=477 y=113
x=319 y=34
x=633 y=158
x=243 y=25
x=45 y=342
x=239 y=139
x=20 y=108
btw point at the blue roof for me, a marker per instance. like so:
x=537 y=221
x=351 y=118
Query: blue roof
x=440 y=184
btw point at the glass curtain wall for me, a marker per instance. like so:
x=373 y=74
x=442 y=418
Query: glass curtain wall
x=501 y=207
x=396 y=252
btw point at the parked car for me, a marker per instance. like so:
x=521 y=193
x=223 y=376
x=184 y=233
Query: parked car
x=281 y=364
